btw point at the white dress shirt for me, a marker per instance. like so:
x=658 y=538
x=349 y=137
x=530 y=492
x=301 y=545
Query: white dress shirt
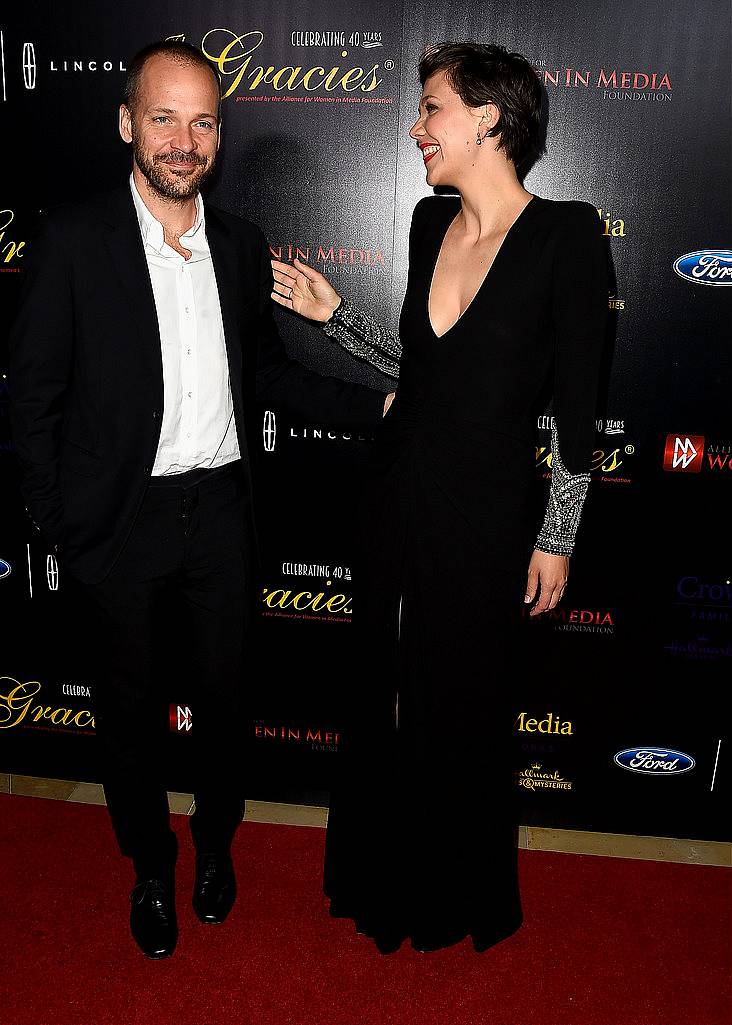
x=198 y=428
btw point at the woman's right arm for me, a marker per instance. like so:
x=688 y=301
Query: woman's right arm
x=364 y=337
x=300 y=288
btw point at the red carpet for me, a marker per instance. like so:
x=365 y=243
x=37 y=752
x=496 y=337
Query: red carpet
x=605 y=941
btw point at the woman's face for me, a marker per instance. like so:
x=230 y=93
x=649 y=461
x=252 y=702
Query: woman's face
x=446 y=131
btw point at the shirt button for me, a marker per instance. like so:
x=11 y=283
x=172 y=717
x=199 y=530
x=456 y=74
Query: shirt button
x=156 y=414
x=187 y=310
x=190 y=394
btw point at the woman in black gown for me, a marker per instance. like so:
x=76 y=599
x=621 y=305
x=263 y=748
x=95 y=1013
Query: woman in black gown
x=506 y=296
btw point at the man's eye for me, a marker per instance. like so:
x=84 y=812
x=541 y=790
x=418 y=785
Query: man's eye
x=205 y=124
x=430 y=107
x=160 y=118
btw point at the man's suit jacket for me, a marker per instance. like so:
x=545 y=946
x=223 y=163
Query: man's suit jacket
x=86 y=376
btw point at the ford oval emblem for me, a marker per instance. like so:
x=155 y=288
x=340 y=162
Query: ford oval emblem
x=654 y=761
x=5 y=569
x=706 y=267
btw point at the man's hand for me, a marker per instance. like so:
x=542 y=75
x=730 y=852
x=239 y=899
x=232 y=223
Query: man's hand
x=547 y=575
x=300 y=288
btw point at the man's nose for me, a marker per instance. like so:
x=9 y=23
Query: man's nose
x=183 y=139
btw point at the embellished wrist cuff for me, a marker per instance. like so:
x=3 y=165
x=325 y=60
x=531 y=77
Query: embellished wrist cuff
x=341 y=318
x=567 y=494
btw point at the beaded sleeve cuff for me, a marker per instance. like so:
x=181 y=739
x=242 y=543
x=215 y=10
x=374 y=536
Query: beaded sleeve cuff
x=567 y=493
x=363 y=337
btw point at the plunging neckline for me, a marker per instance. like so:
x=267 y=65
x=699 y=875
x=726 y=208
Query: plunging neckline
x=485 y=276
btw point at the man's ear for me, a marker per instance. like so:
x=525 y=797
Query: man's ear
x=218 y=135
x=125 y=122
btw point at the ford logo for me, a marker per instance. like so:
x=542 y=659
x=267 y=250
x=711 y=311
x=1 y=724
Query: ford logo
x=654 y=761
x=706 y=267
x=5 y=569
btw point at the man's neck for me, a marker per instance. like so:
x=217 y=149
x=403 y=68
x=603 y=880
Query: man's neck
x=176 y=216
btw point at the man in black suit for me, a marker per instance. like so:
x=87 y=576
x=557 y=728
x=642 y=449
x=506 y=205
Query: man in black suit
x=144 y=335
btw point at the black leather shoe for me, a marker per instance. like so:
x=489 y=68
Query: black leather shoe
x=152 y=918
x=214 y=890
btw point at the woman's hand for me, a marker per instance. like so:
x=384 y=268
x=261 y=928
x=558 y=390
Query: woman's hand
x=547 y=575
x=300 y=288
x=388 y=401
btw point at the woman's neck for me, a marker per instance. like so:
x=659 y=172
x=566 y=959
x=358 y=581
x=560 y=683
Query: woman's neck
x=491 y=203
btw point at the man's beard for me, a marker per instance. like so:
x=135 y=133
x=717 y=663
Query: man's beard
x=178 y=188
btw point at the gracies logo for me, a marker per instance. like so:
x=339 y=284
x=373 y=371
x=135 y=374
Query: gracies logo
x=244 y=69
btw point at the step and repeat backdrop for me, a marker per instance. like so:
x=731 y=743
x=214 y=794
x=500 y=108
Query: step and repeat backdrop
x=620 y=720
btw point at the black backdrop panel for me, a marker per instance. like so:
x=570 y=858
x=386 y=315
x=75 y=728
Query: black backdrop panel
x=319 y=100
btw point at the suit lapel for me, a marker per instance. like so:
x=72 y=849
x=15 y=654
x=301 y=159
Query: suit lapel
x=127 y=254
x=228 y=271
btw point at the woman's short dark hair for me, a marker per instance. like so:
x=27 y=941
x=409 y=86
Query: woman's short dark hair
x=483 y=73
x=177 y=50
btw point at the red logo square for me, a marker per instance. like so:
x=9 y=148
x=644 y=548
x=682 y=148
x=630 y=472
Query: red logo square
x=684 y=452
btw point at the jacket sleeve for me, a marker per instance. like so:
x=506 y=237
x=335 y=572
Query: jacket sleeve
x=41 y=348
x=579 y=307
x=284 y=381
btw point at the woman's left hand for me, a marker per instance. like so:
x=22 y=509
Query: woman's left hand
x=547 y=576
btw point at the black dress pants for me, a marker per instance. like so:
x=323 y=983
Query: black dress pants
x=177 y=595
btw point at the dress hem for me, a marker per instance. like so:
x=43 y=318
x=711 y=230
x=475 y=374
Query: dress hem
x=389 y=941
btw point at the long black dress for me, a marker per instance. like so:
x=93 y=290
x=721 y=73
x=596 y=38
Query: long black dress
x=421 y=840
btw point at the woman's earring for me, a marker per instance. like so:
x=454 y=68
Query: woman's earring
x=479 y=141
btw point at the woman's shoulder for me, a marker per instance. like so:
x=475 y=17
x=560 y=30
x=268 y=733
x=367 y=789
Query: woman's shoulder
x=569 y=213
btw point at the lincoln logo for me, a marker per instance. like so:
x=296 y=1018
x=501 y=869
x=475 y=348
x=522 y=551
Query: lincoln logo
x=29 y=65
x=706 y=267
x=181 y=719
x=52 y=572
x=684 y=452
x=269 y=431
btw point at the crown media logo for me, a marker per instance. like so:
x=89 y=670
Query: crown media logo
x=700 y=628
x=536 y=777
x=684 y=453
x=706 y=267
